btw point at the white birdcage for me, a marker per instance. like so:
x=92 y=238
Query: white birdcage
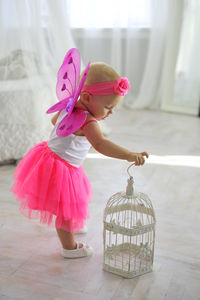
x=129 y=233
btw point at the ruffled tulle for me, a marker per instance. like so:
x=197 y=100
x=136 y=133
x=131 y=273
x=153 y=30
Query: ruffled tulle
x=47 y=186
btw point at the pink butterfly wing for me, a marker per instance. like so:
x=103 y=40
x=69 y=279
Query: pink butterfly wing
x=58 y=106
x=68 y=75
x=72 y=123
x=82 y=82
x=73 y=120
x=68 y=91
x=67 y=81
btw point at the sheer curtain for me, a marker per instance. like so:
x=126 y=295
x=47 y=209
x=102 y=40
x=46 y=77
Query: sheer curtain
x=181 y=77
x=129 y=35
x=35 y=36
x=154 y=43
x=146 y=94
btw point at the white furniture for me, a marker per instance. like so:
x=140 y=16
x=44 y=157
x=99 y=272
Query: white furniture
x=24 y=99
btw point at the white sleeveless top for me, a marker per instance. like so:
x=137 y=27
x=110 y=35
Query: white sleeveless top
x=72 y=148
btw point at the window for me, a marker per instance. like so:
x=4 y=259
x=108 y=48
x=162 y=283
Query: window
x=91 y=14
x=109 y=13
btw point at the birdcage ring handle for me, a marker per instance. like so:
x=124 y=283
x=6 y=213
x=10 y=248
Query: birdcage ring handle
x=133 y=164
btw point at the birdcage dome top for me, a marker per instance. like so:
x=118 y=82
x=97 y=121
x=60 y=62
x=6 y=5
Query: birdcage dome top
x=138 y=204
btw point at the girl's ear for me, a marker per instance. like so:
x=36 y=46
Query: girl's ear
x=85 y=98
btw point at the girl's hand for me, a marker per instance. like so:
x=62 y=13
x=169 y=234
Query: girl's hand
x=138 y=158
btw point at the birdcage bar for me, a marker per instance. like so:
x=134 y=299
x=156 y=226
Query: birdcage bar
x=129 y=233
x=136 y=236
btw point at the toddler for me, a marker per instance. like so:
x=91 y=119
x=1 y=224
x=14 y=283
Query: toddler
x=50 y=181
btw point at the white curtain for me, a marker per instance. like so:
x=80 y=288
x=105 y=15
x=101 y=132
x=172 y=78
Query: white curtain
x=181 y=76
x=154 y=43
x=35 y=35
x=133 y=42
x=148 y=85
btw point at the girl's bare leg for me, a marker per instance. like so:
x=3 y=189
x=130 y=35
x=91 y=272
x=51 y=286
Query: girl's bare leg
x=67 y=239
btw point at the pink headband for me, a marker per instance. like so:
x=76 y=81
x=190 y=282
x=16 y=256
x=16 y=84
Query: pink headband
x=119 y=87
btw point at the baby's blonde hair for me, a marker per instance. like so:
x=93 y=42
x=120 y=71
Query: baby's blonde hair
x=100 y=72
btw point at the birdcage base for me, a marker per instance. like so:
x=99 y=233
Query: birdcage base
x=128 y=260
x=126 y=274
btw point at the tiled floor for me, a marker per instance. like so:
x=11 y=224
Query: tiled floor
x=30 y=263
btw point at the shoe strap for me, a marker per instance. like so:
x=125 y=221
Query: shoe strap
x=84 y=245
x=78 y=247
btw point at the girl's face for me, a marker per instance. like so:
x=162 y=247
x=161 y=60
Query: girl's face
x=102 y=106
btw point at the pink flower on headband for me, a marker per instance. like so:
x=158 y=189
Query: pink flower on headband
x=122 y=86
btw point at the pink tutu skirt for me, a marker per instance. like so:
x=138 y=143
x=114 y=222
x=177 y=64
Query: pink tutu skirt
x=47 y=186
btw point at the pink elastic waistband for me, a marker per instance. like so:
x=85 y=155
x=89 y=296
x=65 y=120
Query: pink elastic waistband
x=118 y=87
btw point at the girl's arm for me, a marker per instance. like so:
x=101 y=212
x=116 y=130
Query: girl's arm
x=94 y=135
x=55 y=117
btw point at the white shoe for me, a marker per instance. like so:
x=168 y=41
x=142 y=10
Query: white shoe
x=86 y=250
x=82 y=230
